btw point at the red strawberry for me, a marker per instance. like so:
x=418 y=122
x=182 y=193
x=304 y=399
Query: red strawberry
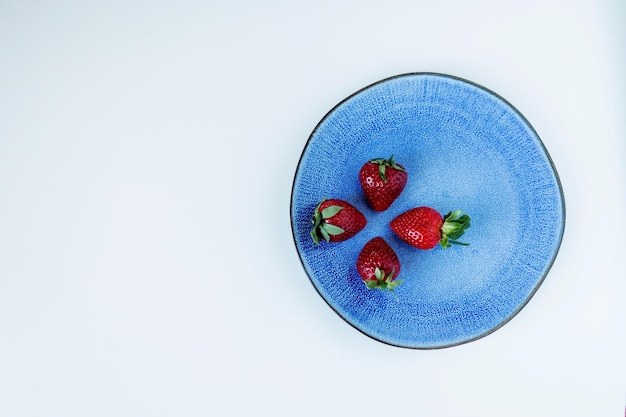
x=378 y=265
x=423 y=227
x=382 y=181
x=335 y=221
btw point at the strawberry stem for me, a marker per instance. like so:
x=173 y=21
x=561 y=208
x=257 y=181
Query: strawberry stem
x=383 y=281
x=454 y=225
x=326 y=230
x=383 y=164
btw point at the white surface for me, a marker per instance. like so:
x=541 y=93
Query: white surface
x=147 y=151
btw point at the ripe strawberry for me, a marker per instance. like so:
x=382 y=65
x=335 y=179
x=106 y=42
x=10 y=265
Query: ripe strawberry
x=423 y=227
x=382 y=181
x=335 y=221
x=378 y=265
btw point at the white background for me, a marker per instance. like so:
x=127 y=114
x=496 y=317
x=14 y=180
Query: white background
x=147 y=151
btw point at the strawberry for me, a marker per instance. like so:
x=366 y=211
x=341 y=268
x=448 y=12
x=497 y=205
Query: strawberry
x=382 y=181
x=378 y=265
x=335 y=221
x=423 y=227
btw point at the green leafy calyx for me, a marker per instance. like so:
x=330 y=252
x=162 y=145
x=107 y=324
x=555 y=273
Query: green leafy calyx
x=383 y=281
x=320 y=227
x=383 y=164
x=454 y=225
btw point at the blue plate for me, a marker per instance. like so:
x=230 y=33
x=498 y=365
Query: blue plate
x=465 y=148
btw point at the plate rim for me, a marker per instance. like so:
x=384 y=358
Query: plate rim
x=542 y=146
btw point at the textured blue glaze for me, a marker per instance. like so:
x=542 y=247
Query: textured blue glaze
x=464 y=148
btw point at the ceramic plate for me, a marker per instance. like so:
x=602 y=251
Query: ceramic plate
x=465 y=148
